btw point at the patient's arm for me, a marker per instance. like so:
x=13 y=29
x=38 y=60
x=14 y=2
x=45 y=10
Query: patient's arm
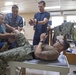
x=46 y=52
x=38 y=49
x=39 y=52
x=43 y=37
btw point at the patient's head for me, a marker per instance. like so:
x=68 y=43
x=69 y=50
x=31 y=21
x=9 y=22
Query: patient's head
x=61 y=45
x=66 y=45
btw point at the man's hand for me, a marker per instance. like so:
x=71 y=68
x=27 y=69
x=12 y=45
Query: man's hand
x=12 y=35
x=32 y=22
x=20 y=28
x=49 y=28
x=43 y=37
x=16 y=31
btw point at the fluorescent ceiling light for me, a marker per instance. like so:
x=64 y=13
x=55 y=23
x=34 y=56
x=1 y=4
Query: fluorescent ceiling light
x=6 y=11
x=8 y=3
x=52 y=7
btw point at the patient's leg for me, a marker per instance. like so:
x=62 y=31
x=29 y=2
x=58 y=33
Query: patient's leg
x=3 y=66
x=21 y=40
x=17 y=54
x=20 y=53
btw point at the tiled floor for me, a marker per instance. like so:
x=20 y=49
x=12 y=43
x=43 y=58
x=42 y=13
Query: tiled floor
x=42 y=72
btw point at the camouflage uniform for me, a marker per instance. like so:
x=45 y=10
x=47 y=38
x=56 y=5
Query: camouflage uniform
x=2 y=67
x=23 y=52
x=66 y=28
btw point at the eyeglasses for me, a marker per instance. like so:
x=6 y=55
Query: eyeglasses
x=59 y=42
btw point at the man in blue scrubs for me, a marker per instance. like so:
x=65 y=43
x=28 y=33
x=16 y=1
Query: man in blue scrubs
x=40 y=23
x=13 y=19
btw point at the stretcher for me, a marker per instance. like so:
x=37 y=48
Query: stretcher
x=60 y=65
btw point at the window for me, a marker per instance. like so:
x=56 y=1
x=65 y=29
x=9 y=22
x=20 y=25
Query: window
x=56 y=21
x=24 y=22
x=71 y=18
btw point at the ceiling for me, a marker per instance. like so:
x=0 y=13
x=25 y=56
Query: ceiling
x=30 y=6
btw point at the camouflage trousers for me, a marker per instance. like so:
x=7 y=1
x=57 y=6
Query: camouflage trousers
x=17 y=54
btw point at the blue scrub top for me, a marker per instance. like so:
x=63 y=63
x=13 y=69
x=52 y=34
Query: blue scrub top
x=41 y=28
x=2 y=30
x=14 y=22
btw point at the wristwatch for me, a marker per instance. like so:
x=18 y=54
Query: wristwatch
x=41 y=41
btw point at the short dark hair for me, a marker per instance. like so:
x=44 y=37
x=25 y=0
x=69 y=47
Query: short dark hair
x=14 y=6
x=42 y=2
x=66 y=45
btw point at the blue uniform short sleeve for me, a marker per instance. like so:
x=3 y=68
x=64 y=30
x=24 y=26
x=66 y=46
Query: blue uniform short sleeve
x=21 y=22
x=47 y=15
x=6 y=19
x=2 y=29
